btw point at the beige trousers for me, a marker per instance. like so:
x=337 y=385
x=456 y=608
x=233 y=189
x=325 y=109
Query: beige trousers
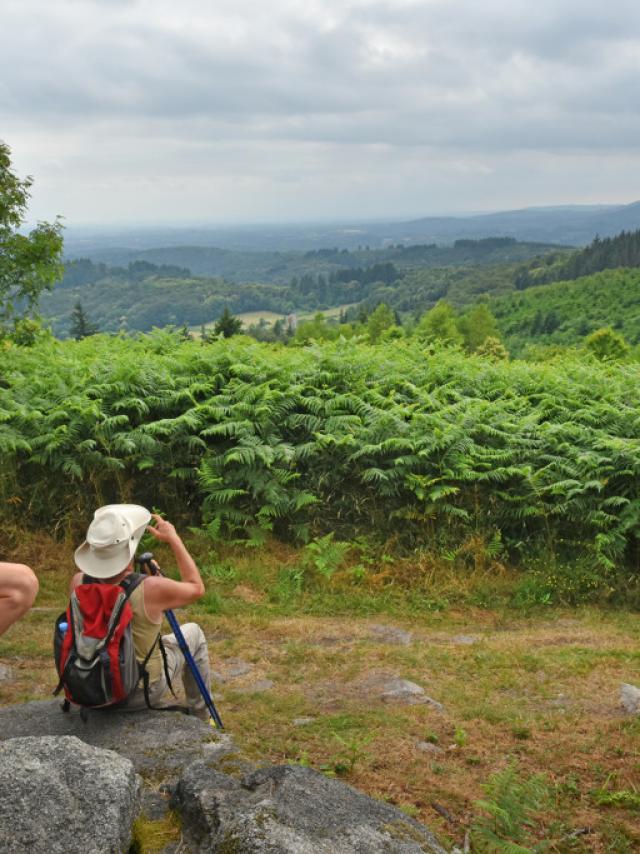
x=179 y=673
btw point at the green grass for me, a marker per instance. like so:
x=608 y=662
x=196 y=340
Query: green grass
x=534 y=685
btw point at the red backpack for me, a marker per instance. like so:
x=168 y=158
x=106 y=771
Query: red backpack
x=95 y=657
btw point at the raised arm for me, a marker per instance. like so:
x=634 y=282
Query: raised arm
x=163 y=593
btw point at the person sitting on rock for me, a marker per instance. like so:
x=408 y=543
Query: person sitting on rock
x=18 y=590
x=107 y=556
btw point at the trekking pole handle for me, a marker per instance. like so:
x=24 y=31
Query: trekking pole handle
x=146 y=560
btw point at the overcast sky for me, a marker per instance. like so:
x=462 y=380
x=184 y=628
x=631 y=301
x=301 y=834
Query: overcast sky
x=246 y=110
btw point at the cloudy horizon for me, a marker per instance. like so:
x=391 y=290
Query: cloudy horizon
x=137 y=111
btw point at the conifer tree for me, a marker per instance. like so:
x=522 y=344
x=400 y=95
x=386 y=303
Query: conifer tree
x=227 y=325
x=81 y=327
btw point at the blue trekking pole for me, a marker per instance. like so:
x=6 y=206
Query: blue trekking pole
x=147 y=560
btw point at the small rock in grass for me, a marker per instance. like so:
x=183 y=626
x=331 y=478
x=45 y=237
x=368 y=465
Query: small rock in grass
x=465 y=640
x=392 y=635
x=233 y=668
x=256 y=687
x=408 y=692
x=401 y=689
x=6 y=673
x=236 y=669
x=433 y=703
x=302 y=721
x=630 y=699
x=428 y=747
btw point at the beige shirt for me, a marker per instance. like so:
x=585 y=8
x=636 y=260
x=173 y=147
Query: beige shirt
x=145 y=633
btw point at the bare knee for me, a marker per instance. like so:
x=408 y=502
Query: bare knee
x=21 y=588
x=194 y=632
x=30 y=586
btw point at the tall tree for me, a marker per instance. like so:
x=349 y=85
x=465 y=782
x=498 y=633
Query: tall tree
x=81 y=327
x=440 y=324
x=478 y=325
x=382 y=318
x=29 y=263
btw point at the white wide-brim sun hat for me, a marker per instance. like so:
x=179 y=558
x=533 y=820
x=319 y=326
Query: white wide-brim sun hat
x=112 y=539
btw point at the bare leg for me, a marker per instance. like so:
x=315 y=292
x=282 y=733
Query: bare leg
x=18 y=590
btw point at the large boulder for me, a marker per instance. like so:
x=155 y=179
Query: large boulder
x=291 y=810
x=159 y=744
x=58 y=795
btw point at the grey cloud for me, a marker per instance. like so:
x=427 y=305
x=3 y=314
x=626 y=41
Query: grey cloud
x=234 y=85
x=155 y=72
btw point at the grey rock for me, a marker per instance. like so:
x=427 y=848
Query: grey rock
x=430 y=748
x=291 y=810
x=391 y=635
x=392 y=689
x=433 y=703
x=232 y=668
x=401 y=690
x=630 y=699
x=59 y=795
x=256 y=687
x=302 y=721
x=159 y=744
x=214 y=751
x=226 y=805
x=237 y=668
x=6 y=673
x=465 y=640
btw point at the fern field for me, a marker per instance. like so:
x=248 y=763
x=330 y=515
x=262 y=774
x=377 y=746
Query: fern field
x=245 y=439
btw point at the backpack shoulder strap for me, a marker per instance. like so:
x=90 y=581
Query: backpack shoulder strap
x=131 y=581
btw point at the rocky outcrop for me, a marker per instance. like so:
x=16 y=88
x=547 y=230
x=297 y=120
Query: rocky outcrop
x=59 y=795
x=226 y=804
x=159 y=744
x=286 y=809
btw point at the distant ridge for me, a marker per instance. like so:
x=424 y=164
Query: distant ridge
x=573 y=225
x=566 y=224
